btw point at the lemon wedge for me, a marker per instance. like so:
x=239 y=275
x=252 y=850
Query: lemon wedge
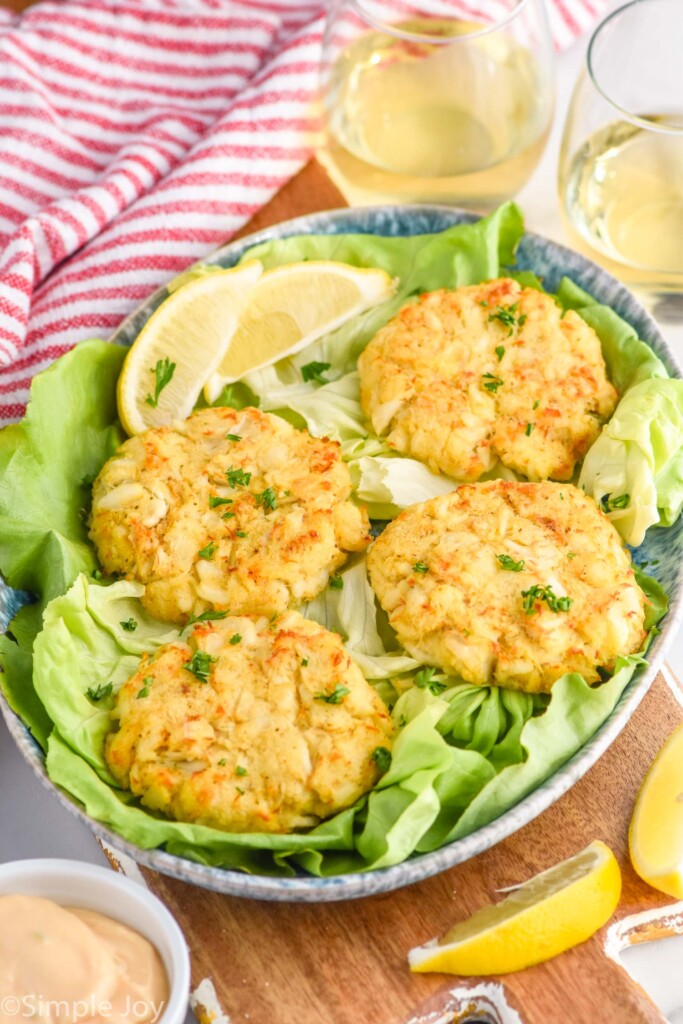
x=547 y=915
x=656 y=832
x=292 y=306
x=180 y=345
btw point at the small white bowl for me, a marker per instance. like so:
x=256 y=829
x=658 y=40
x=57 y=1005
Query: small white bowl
x=74 y=884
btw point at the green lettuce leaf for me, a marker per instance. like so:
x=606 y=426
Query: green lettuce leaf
x=47 y=465
x=635 y=468
x=628 y=359
x=461 y=757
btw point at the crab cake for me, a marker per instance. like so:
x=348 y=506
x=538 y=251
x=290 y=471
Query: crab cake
x=229 y=510
x=250 y=726
x=461 y=379
x=509 y=583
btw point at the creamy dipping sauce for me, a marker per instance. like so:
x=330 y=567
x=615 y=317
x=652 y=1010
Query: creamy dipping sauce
x=62 y=965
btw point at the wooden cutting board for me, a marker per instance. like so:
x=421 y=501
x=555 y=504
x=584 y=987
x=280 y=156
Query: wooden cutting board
x=345 y=963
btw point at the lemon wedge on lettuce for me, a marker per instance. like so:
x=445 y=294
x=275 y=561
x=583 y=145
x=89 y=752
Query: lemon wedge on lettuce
x=180 y=345
x=292 y=306
x=216 y=326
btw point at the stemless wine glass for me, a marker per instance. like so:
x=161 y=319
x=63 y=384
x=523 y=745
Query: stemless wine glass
x=621 y=164
x=436 y=100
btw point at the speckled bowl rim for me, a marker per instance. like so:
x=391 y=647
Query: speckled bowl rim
x=312 y=889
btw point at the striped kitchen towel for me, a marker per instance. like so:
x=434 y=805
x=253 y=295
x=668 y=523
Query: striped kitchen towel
x=136 y=136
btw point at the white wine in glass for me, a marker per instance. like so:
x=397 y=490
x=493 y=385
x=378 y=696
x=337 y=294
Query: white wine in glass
x=621 y=165
x=427 y=107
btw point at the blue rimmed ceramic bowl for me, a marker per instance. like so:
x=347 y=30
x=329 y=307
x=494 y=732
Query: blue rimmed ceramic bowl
x=551 y=262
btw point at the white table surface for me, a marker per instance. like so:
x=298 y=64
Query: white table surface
x=36 y=825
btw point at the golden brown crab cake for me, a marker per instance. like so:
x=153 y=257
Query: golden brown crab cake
x=463 y=378
x=234 y=510
x=251 y=726
x=509 y=583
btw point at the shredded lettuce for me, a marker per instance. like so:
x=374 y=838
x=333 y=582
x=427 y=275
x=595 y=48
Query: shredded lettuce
x=352 y=612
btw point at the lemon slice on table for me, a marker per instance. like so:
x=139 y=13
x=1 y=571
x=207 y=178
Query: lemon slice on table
x=292 y=306
x=656 y=832
x=547 y=915
x=181 y=344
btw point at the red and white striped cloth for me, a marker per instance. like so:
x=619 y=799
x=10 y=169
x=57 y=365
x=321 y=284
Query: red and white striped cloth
x=135 y=136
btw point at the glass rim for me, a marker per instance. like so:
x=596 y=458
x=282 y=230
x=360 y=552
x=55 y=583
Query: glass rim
x=425 y=37
x=664 y=128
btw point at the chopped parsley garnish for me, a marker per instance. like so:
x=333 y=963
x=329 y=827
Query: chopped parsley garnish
x=99 y=692
x=268 y=499
x=239 y=790
x=608 y=503
x=424 y=680
x=571 y=554
x=509 y=563
x=336 y=582
x=420 y=567
x=235 y=639
x=233 y=437
x=500 y=351
x=508 y=317
x=237 y=477
x=130 y=625
x=163 y=373
x=206 y=616
x=536 y=404
x=382 y=758
x=491 y=382
x=228 y=515
x=208 y=552
x=538 y=593
x=239 y=770
x=304 y=662
x=200 y=665
x=240 y=533
x=215 y=502
x=144 y=692
x=222 y=763
x=529 y=427
x=336 y=696
x=315 y=371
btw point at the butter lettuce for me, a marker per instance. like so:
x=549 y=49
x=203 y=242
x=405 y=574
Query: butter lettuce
x=47 y=464
x=628 y=359
x=463 y=754
x=640 y=454
x=635 y=468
